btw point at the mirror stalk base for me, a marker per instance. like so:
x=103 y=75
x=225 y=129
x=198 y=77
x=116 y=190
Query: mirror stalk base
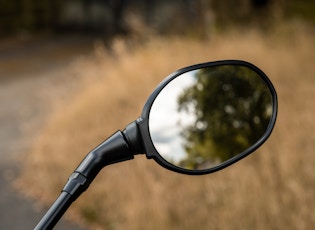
x=115 y=149
x=133 y=136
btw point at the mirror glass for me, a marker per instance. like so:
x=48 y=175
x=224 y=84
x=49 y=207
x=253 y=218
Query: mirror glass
x=206 y=116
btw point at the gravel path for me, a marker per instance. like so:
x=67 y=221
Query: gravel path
x=29 y=84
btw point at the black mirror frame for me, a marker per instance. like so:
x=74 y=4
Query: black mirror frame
x=143 y=121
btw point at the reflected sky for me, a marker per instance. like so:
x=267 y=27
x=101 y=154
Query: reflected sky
x=165 y=122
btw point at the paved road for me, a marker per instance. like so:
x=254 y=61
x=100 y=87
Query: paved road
x=27 y=73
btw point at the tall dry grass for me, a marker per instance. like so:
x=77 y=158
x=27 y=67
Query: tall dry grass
x=271 y=189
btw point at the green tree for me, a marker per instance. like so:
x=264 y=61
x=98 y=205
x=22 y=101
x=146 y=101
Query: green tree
x=232 y=109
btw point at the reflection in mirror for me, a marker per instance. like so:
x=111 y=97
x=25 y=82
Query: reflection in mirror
x=205 y=117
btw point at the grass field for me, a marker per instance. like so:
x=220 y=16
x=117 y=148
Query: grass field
x=271 y=189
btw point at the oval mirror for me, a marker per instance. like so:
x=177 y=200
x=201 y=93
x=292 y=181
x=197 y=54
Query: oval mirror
x=210 y=116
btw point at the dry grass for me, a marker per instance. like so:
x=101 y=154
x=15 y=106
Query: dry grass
x=271 y=189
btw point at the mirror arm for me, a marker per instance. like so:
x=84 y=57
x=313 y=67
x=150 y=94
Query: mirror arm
x=115 y=149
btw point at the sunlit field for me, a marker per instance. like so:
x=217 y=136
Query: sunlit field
x=271 y=189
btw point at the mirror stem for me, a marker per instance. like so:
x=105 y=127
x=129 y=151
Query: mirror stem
x=115 y=149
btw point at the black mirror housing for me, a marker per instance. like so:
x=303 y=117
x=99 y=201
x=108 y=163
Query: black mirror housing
x=146 y=135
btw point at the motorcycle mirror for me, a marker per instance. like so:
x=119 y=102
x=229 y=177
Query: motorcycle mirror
x=200 y=119
x=205 y=117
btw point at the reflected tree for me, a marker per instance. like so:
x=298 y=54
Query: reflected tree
x=232 y=108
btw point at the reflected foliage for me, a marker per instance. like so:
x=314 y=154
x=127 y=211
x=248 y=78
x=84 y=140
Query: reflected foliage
x=232 y=107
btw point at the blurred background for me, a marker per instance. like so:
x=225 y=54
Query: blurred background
x=73 y=72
